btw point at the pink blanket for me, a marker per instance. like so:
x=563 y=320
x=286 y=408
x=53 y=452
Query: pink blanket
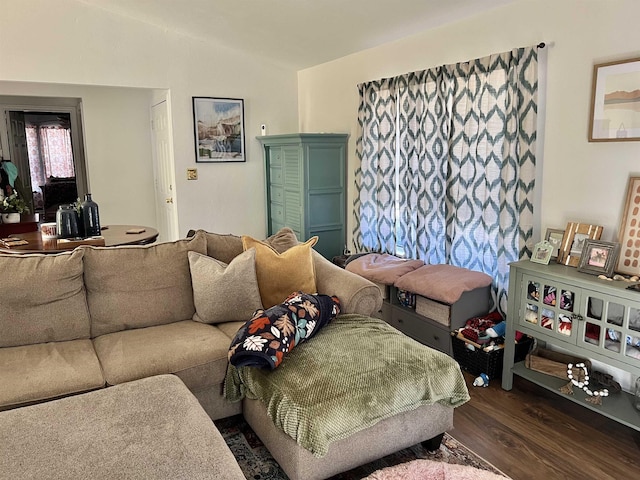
x=444 y=283
x=382 y=267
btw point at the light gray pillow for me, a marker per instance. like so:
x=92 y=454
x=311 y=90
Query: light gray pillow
x=224 y=293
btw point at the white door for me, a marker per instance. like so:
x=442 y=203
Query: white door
x=163 y=169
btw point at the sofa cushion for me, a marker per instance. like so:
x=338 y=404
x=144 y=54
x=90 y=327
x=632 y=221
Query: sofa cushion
x=282 y=240
x=31 y=373
x=42 y=299
x=280 y=274
x=230 y=328
x=195 y=352
x=224 y=247
x=222 y=292
x=139 y=286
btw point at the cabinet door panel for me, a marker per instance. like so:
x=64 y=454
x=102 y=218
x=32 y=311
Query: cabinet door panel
x=293 y=210
x=292 y=168
x=611 y=326
x=549 y=307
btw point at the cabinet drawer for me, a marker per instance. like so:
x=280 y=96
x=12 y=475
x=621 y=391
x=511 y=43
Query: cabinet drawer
x=277 y=213
x=276 y=194
x=421 y=330
x=275 y=176
x=275 y=156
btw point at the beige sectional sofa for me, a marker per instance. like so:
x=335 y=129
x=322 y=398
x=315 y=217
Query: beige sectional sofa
x=98 y=317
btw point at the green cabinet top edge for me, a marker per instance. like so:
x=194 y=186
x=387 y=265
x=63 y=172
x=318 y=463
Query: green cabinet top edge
x=285 y=138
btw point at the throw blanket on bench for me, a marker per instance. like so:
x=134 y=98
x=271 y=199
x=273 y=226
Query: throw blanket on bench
x=354 y=373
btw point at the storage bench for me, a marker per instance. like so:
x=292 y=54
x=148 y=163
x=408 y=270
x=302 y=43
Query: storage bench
x=431 y=322
x=445 y=296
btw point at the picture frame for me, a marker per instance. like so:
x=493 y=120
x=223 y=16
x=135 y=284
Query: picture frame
x=598 y=257
x=542 y=252
x=554 y=237
x=219 y=129
x=573 y=240
x=615 y=102
x=629 y=231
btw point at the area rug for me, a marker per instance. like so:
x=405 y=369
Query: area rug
x=257 y=463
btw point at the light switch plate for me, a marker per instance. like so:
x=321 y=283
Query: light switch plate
x=192 y=173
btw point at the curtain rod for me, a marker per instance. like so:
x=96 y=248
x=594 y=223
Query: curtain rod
x=541 y=45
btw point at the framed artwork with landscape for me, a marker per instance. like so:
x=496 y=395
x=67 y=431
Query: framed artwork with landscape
x=219 y=129
x=573 y=241
x=599 y=258
x=615 y=102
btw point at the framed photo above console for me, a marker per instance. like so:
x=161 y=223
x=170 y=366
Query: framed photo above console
x=615 y=97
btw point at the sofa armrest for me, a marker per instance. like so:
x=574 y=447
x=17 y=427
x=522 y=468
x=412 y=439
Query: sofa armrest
x=356 y=294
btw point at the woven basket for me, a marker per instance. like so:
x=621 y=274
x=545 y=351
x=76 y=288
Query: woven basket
x=478 y=361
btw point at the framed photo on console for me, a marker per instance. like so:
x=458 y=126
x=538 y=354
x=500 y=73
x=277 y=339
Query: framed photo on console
x=219 y=129
x=573 y=241
x=542 y=252
x=599 y=258
x=554 y=237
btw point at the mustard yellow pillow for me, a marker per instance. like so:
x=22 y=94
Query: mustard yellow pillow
x=280 y=274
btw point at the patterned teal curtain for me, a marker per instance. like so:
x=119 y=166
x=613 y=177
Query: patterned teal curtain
x=464 y=165
x=375 y=185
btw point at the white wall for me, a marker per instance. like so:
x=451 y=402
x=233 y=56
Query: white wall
x=67 y=46
x=582 y=181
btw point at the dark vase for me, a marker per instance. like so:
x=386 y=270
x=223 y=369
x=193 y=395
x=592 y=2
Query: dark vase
x=67 y=222
x=90 y=217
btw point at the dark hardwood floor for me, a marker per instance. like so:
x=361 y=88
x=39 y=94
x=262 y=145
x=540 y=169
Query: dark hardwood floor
x=530 y=433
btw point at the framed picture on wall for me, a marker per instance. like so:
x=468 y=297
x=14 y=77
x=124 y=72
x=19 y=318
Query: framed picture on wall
x=219 y=129
x=615 y=102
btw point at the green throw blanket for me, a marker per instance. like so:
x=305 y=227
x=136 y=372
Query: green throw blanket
x=356 y=371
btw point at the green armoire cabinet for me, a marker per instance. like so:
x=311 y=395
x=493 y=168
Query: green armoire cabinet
x=306 y=187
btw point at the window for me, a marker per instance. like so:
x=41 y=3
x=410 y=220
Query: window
x=447 y=164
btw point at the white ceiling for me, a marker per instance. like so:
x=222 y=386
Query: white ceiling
x=297 y=33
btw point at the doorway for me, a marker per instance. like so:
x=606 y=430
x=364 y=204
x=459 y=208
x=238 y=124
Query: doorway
x=45 y=144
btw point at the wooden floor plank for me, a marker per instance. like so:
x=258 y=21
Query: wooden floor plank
x=530 y=433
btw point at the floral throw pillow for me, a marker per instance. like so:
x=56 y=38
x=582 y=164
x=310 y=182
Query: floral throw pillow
x=265 y=339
